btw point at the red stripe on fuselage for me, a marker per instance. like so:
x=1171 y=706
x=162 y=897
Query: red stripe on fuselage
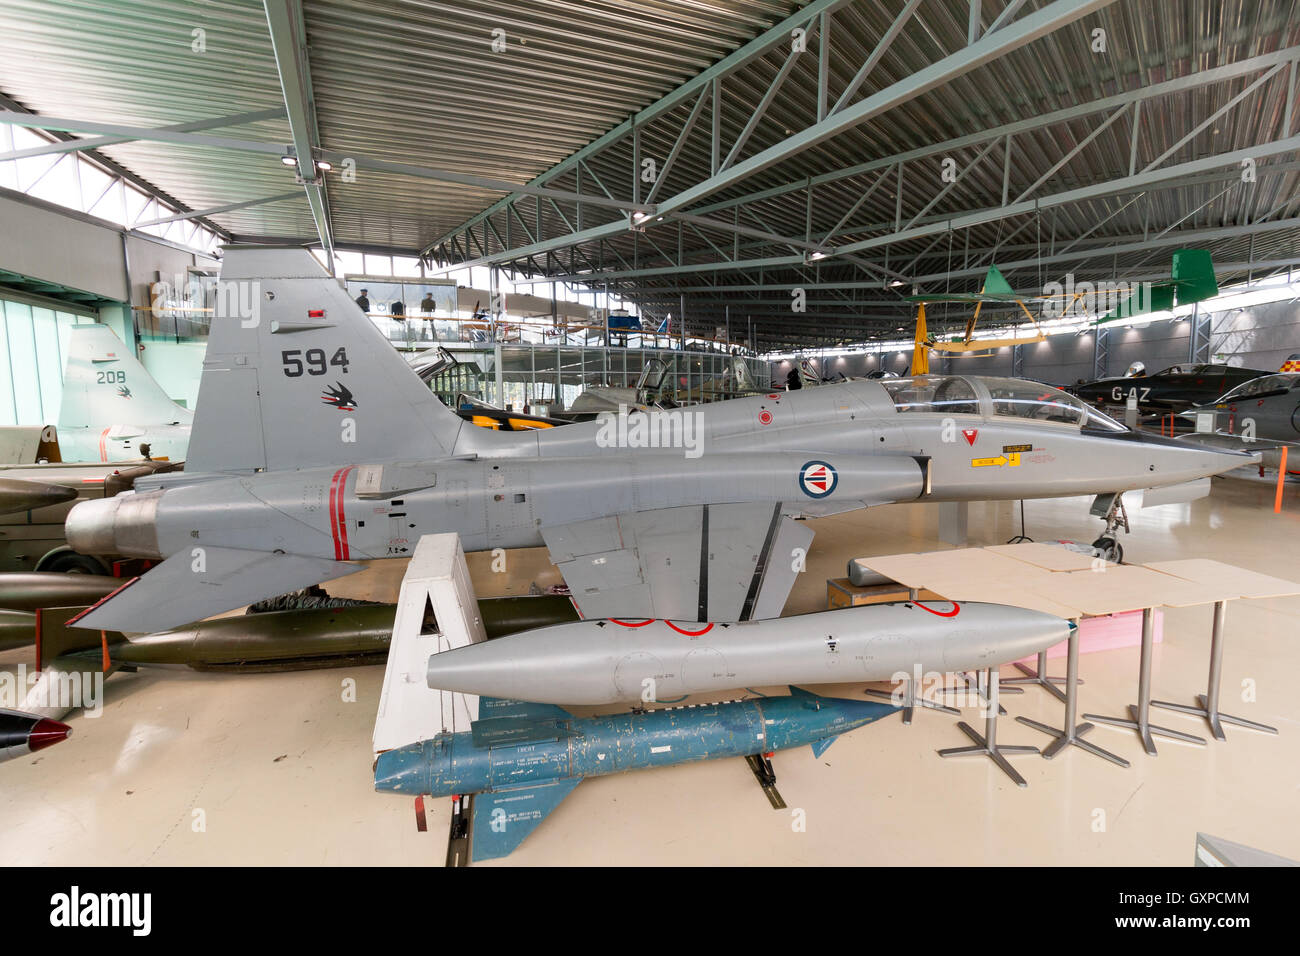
x=342 y=518
x=334 y=513
x=103 y=449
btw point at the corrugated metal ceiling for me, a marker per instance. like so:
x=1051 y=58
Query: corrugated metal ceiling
x=418 y=82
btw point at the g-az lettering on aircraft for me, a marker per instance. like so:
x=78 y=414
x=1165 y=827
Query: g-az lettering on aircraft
x=315 y=446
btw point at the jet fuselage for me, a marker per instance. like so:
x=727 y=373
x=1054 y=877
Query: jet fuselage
x=818 y=451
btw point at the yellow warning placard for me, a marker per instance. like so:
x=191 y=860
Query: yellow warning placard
x=1011 y=461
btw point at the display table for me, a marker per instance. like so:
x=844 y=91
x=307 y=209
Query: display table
x=1074 y=586
x=1224 y=582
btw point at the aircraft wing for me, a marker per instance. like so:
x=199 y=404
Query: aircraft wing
x=197 y=583
x=728 y=562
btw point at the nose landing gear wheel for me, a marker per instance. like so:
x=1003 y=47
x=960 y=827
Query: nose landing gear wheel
x=1110 y=549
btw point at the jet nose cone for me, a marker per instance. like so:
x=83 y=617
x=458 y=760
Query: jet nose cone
x=1183 y=459
x=89 y=526
x=47 y=733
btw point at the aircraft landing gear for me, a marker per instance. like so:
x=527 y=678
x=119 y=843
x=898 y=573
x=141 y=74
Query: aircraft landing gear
x=1110 y=508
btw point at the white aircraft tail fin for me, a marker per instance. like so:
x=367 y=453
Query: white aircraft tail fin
x=297 y=376
x=105 y=385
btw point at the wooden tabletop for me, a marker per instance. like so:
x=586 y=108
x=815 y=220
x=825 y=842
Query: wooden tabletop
x=1072 y=585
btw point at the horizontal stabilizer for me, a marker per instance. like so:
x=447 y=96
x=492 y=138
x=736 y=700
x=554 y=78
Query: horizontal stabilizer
x=819 y=747
x=502 y=820
x=199 y=582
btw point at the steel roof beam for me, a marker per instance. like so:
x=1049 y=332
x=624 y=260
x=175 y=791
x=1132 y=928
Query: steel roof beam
x=162 y=135
x=759 y=46
x=1180 y=84
x=1012 y=37
x=99 y=142
x=289 y=40
x=214 y=210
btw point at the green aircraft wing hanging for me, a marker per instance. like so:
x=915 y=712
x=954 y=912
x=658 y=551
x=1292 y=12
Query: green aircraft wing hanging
x=1191 y=280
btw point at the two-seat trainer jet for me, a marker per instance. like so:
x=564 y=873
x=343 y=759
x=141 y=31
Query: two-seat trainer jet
x=315 y=446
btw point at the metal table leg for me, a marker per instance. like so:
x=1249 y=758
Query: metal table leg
x=1037 y=675
x=987 y=745
x=978 y=684
x=1208 y=703
x=1140 y=715
x=1072 y=734
x=911 y=700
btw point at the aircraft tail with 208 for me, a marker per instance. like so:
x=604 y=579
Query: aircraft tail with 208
x=315 y=447
x=112 y=408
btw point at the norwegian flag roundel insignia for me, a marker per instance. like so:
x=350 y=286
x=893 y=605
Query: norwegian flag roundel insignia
x=765 y=417
x=970 y=434
x=818 y=479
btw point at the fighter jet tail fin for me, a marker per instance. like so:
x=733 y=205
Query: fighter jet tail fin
x=55 y=639
x=105 y=385
x=1292 y=363
x=297 y=376
x=503 y=819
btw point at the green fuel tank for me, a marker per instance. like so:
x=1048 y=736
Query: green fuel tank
x=306 y=639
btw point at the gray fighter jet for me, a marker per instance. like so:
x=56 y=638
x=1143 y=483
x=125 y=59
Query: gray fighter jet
x=315 y=446
x=1265 y=410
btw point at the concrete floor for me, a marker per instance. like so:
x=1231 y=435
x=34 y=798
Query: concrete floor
x=185 y=768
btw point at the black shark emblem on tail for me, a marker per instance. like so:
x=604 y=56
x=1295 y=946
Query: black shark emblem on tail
x=339 y=397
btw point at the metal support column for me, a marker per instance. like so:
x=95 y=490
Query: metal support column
x=1139 y=718
x=1202 y=331
x=987 y=745
x=1207 y=704
x=1072 y=733
x=1100 y=353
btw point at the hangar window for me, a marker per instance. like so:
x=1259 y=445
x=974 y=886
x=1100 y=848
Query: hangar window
x=948 y=395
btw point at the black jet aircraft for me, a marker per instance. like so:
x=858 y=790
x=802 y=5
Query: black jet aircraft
x=1172 y=390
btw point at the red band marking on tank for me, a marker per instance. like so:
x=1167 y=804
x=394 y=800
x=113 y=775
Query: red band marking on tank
x=103 y=447
x=682 y=630
x=649 y=620
x=956 y=609
x=338 y=521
